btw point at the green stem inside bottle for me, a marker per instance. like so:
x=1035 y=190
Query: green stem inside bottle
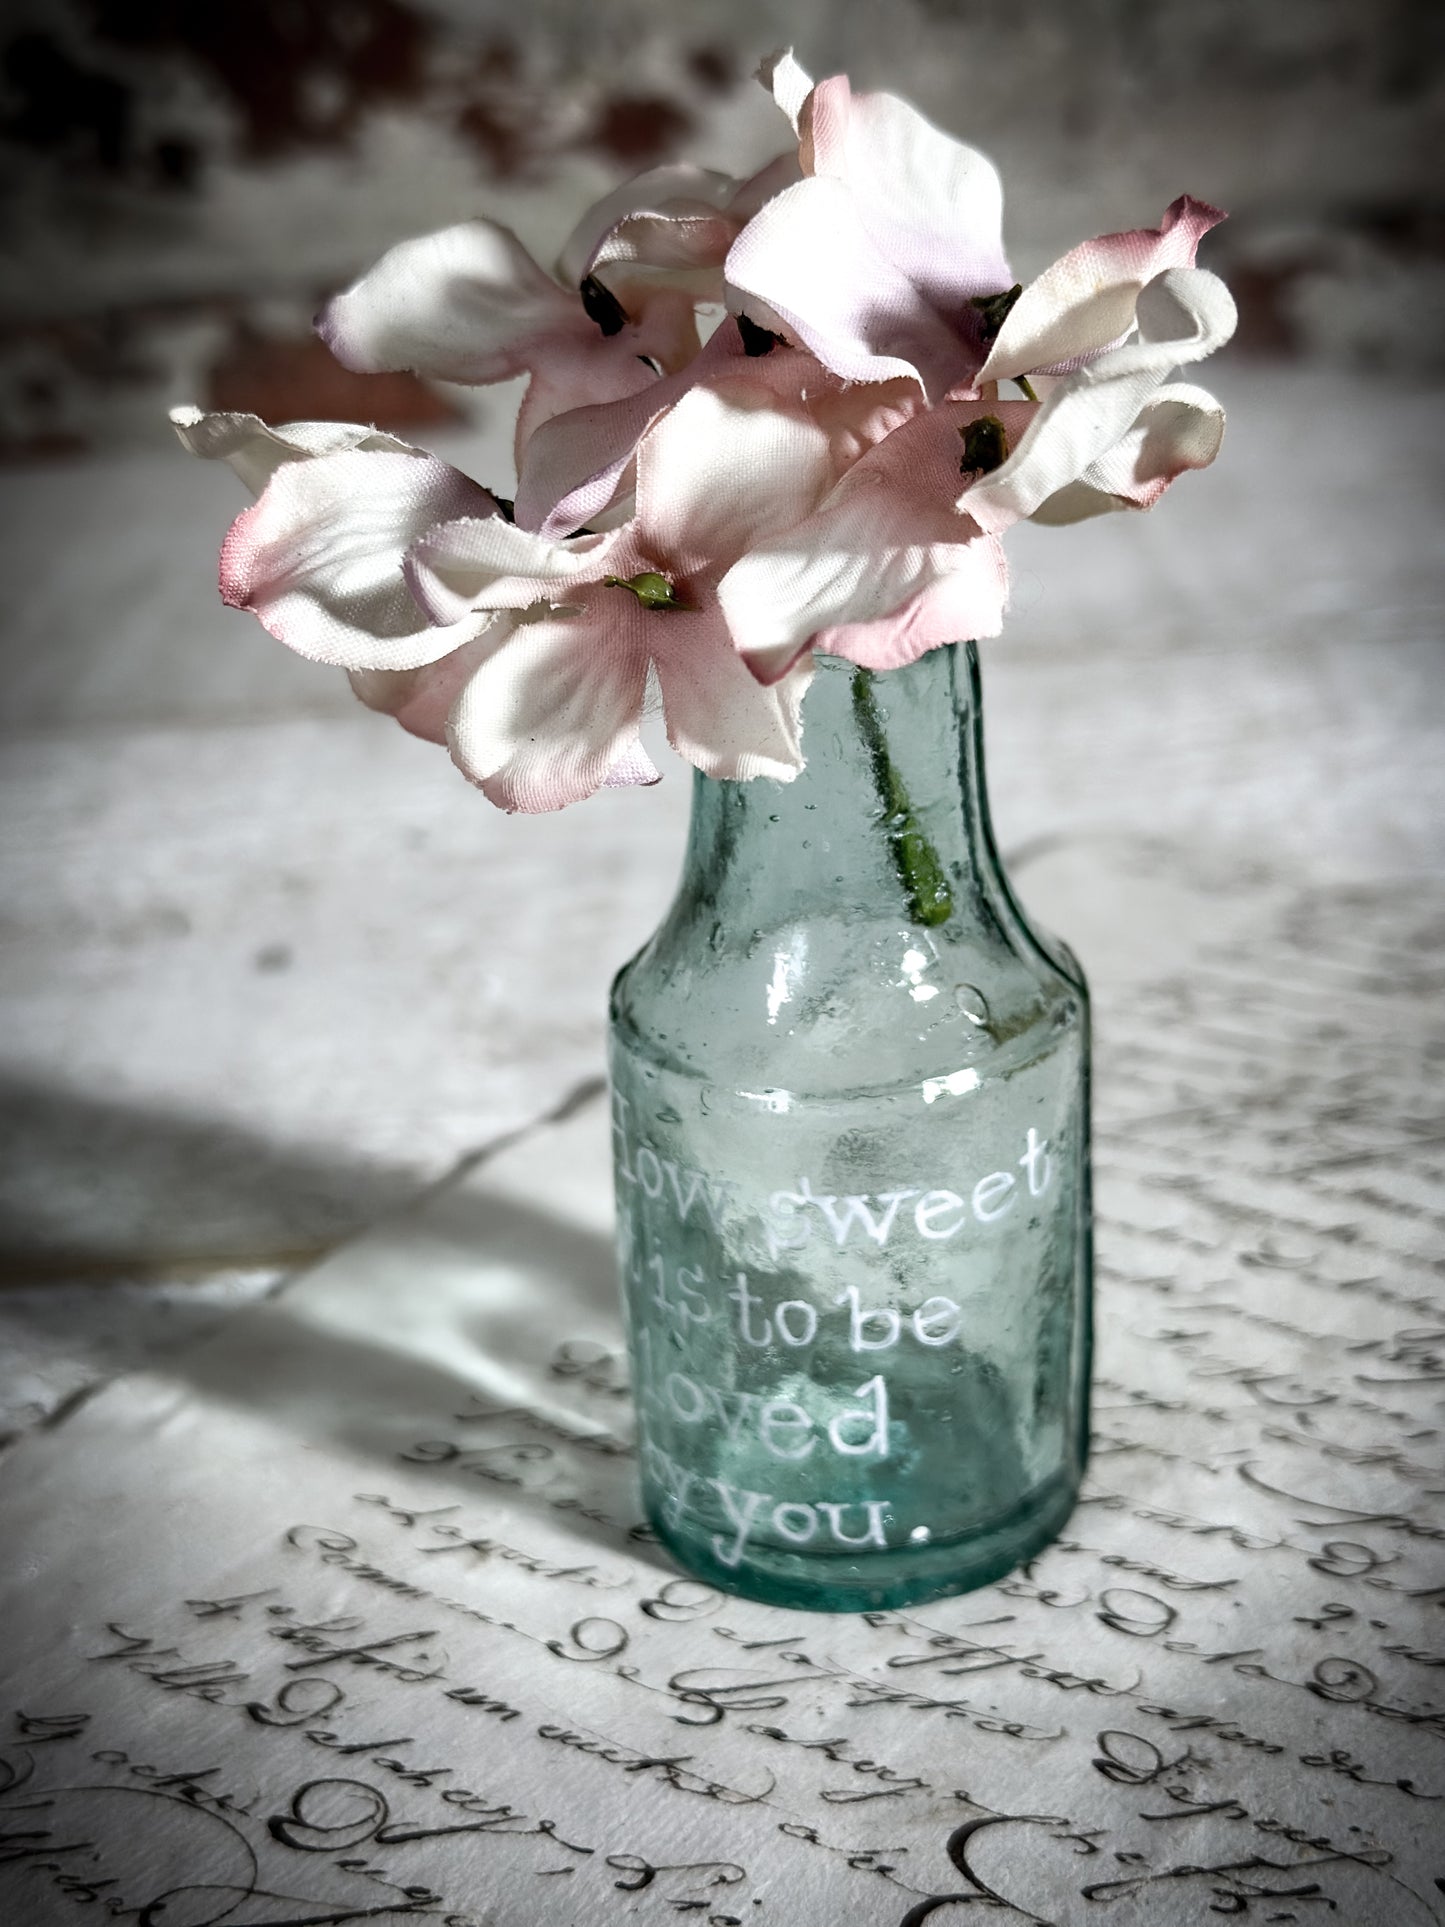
x=930 y=901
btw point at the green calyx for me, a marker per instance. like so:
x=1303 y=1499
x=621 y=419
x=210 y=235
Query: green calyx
x=985 y=446
x=652 y=590
x=994 y=311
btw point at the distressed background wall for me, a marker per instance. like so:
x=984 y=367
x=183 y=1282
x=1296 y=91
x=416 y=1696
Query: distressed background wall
x=183 y=183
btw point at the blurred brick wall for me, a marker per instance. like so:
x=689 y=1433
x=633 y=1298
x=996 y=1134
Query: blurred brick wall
x=181 y=184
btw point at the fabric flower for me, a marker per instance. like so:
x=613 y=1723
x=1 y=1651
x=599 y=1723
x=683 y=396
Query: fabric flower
x=887 y=258
x=896 y=560
x=886 y=567
x=318 y=558
x=575 y=467
x=671 y=226
x=469 y=304
x=874 y=259
x=543 y=716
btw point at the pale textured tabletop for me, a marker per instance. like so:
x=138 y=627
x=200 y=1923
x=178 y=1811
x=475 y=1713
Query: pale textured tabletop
x=269 y=967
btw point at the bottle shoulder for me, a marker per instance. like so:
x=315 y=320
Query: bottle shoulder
x=845 y=1001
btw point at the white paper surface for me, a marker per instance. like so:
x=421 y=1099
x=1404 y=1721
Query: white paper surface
x=349 y=1615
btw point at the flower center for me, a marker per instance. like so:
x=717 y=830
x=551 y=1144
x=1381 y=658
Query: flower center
x=602 y=306
x=985 y=446
x=652 y=590
x=994 y=311
x=757 y=341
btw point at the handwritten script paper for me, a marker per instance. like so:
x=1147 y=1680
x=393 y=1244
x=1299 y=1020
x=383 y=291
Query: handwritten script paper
x=350 y=1615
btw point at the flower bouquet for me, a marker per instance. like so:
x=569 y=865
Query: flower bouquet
x=774 y=432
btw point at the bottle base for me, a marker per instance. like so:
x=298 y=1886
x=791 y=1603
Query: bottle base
x=902 y=1576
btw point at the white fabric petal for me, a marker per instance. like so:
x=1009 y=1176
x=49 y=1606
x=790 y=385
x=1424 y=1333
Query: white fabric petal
x=468 y=304
x=1182 y=428
x=318 y=559
x=254 y=451
x=609 y=230
x=1184 y=314
x=1085 y=302
x=787 y=82
x=722 y=719
x=472 y=563
x=550 y=713
x=725 y=467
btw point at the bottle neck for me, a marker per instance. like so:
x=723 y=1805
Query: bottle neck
x=889 y=819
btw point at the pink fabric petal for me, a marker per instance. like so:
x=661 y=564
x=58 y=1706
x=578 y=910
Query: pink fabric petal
x=772 y=179
x=963 y=604
x=575 y=462
x=1085 y=302
x=468 y=304
x=254 y=451
x=486 y=563
x=885 y=534
x=1184 y=314
x=318 y=559
x=421 y=699
x=810 y=259
x=634 y=769
x=719 y=716
x=586 y=374
x=547 y=716
x=724 y=467
x=933 y=205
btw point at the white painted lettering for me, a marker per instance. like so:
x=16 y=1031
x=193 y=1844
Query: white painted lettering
x=788 y=1229
x=649 y=1176
x=786 y=1416
x=809 y=1320
x=692 y=1304
x=741 y=1517
x=855 y=1211
x=935 y=1205
x=743 y=1405
x=674 y=1385
x=800 y=1533
x=1035 y=1154
x=860 y=1320
x=876 y=1410
x=745 y=1300
x=872 y=1533
x=998 y=1184
x=936 y=1321
x=659 y=1293
x=695 y=1188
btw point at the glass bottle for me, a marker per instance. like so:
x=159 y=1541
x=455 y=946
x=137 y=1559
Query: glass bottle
x=850 y=1089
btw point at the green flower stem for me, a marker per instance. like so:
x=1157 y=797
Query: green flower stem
x=930 y=901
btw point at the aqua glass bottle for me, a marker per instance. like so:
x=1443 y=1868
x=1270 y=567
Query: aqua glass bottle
x=850 y=1089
